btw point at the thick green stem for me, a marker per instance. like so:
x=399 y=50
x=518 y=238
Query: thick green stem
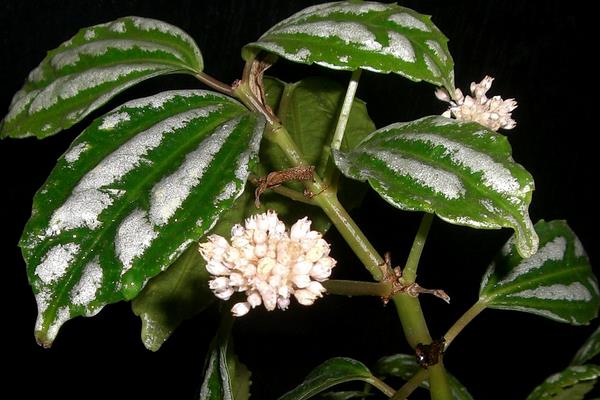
x=358 y=288
x=411 y=385
x=463 y=321
x=214 y=83
x=382 y=386
x=410 y=269
x=409 y=309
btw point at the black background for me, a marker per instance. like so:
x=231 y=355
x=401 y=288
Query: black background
x=540 y=53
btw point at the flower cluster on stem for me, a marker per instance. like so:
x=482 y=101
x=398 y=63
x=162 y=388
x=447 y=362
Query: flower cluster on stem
x=494 y=113
x=267 y=263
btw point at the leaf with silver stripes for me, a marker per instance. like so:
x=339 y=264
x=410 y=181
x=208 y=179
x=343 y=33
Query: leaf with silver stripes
x=557 y=282
x=348 y=35
x=92 y=67
x=461 y=171
x=129 y=196
x=589 y=350
x=571 y=384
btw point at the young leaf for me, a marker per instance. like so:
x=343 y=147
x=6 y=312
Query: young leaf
x=405 y=366
x=93 y=66
x=309 y=109
x=171 y=297
x=348 y=35
x=225 y=377
x=589 y=350
x=571 y=384
x=130 y=195
x=182 y=290
x=463 y=172
x=332 y=372
x=557 y=282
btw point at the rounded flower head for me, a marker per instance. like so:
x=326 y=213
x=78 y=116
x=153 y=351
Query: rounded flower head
x=267 y=263
x=494 y=113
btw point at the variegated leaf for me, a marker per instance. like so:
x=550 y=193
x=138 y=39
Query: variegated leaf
x=332 y=372
x=132 y=192
x=557 y=282
x=571 y=384
x=348 y=35
x=93 y=66
x=589 y=350
x=461 y=171
x=405 y=366
x=225 y=377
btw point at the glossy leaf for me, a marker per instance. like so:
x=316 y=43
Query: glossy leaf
x=93 y=66
x=589 y=350
x=557 y=282
x=130 y=195
x=182 y=290
x=463 y=172
x=405 y=366
x=225 y=377
x=332 y=372
x=309 y=110
x=571 y=384
x=349 y=35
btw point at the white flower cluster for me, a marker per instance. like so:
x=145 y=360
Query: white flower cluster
x=267 y=263
x=493 y=113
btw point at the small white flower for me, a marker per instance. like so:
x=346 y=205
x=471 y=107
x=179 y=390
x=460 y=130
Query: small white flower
x=268 y=263
x=494 y=113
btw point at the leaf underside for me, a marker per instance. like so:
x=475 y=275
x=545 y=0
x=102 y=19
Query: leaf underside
x=460 y=171
x=349 y=35
x=405 y=366
x=557 y=282
x=92 y=67
x=130 y=195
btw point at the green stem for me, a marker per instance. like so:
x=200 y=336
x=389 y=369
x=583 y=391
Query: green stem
x=338 y=135
x=382 y=386
x=412 y=384
x=327 y=200
x=410 y=269
x=463 y=321
x=358 y=288
x=214 y=83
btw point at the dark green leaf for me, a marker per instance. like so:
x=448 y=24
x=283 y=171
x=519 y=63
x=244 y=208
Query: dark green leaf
x=571 y=384
x=225 y=377
x=557 y=282
x=182 y=290
x=309 y=110
x=348 y=35
x=463 y=172
x=347 y=395
x=133 y=191
x=589 y=350
x=93 y=66
x=332 y=372
x=405 y=366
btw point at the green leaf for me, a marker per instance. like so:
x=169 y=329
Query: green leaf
x=557 y=282
x=332 y=372
x=171 y=297
x=348 y=35
x=182 y=290
x=133 y=191
x=405 y=366
x=225 y=377
x=309 y=110
x=346 y=395
x=571 y=384
x=92 y=67
x=463 y=172
x=589 y=350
